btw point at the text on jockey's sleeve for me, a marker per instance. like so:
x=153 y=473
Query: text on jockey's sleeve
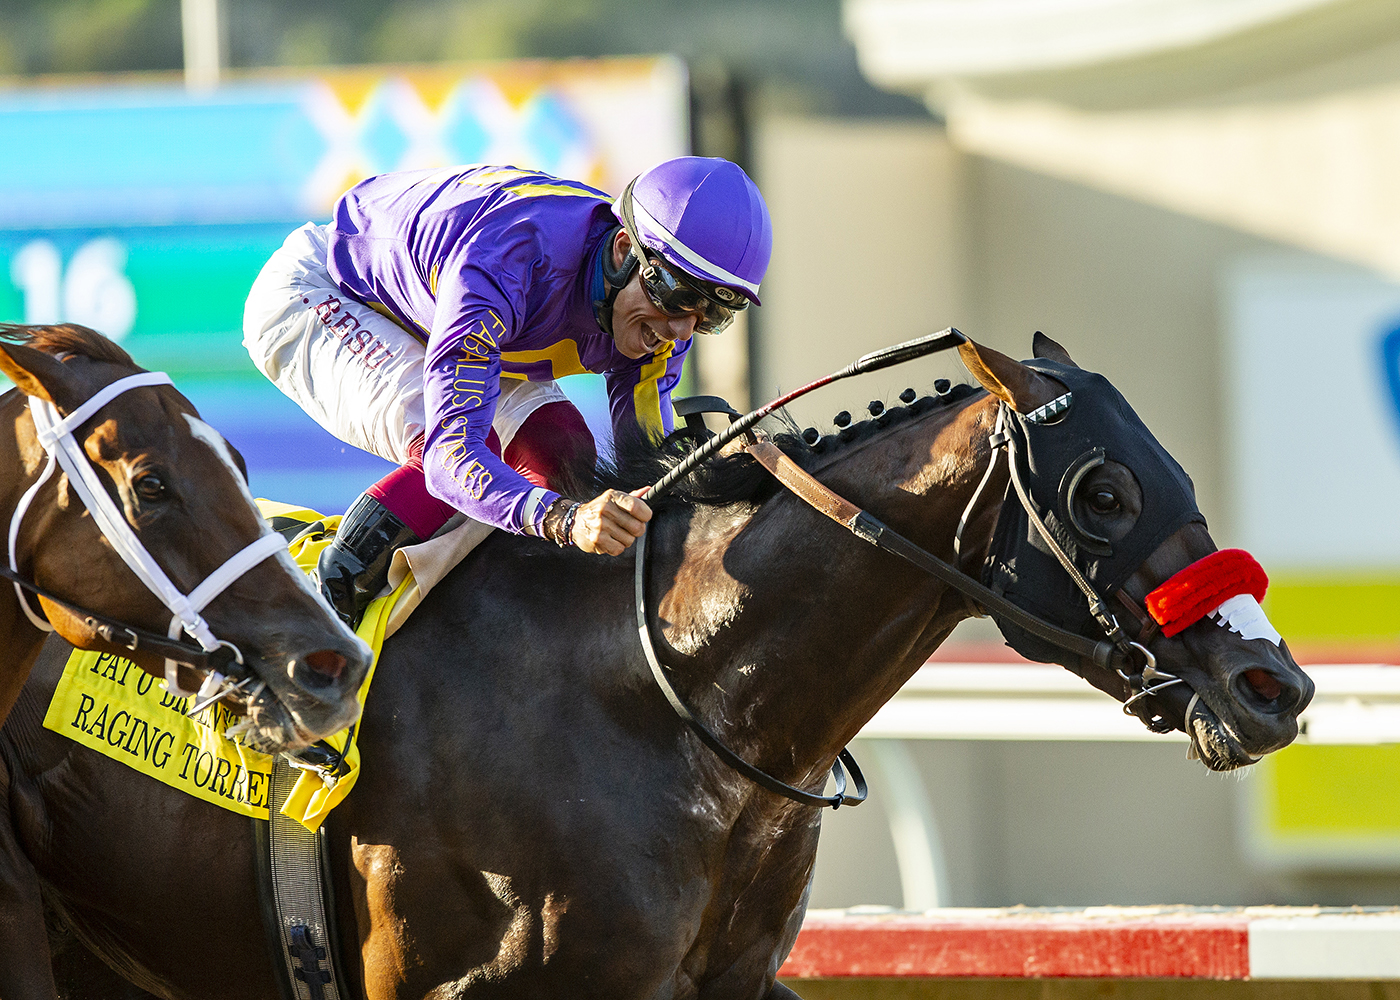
x=503 y=270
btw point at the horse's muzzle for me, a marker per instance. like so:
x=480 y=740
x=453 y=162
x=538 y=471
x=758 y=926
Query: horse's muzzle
x=1251 y=693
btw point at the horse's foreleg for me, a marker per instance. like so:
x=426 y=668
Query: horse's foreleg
x=25 y=972
x=781 y=992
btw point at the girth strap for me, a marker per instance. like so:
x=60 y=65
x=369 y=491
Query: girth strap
x=300 y=913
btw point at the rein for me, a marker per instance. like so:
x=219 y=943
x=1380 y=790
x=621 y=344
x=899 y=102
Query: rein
x=707 y=736
x=208 y=653
x=129 y=637
x=869 y=528
x=898 y=354
x=1109 y=655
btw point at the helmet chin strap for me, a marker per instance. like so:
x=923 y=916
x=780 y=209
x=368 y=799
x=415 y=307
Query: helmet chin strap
x=615 y=278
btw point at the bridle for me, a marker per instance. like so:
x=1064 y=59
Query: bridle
x=1142 y=683
x=207 y=654
x=1114 y=656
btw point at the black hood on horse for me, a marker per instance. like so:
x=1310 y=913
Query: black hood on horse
x=1054 y=448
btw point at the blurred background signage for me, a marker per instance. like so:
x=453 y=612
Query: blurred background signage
x=145 y=210
x=1314 y=435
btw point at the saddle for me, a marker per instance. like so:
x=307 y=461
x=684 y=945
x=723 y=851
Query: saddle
x=415 y=569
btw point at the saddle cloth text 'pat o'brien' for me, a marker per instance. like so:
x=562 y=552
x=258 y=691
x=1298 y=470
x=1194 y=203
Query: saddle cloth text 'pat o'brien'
x=114 y=707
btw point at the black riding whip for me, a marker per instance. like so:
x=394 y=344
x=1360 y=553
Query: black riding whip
x=874 y=361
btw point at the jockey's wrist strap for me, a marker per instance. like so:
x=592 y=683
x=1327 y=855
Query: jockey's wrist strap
x=569 y=525
x=558 y=522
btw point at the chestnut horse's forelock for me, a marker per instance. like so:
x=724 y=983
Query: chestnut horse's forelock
x=67 y=339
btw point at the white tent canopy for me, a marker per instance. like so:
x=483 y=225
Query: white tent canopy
x=1109 y=53
x=1276 y=117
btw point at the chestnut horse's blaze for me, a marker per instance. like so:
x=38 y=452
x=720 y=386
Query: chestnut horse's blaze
x=532 y=818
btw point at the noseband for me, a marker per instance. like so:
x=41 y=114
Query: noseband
x=208 y=653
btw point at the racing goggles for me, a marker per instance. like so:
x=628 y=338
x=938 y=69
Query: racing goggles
x=713 y=305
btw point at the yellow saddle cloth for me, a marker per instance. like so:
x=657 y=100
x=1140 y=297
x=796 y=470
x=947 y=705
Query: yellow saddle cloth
x=111 y=705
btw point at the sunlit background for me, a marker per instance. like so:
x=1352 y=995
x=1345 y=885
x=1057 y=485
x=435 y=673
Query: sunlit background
x=1196 y=197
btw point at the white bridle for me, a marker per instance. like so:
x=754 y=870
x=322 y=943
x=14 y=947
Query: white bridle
x=55 y=434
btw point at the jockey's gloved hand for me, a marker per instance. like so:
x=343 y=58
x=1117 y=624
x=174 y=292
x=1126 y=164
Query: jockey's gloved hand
x=606 y=525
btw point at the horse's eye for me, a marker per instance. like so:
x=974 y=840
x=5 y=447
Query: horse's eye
x=1103 y=502
x=149 y=487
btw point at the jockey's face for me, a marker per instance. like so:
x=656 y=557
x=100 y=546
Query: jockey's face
x=639 y=327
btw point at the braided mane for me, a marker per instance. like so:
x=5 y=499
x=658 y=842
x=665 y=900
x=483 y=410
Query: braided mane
x=737 y=478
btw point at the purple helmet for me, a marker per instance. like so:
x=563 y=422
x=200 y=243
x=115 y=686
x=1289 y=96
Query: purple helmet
x=704 y=216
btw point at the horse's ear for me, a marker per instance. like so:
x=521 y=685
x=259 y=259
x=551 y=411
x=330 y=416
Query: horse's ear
x=1024 y=389
x=238 y=459
x=40 y=374
x=1043 y=347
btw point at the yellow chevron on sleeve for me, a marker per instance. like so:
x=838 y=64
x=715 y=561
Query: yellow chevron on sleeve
x=495 y=177
x=526 y=190
x=646 y=394
x=562 y=357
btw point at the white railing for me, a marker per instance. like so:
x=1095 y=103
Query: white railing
x=1355 y=703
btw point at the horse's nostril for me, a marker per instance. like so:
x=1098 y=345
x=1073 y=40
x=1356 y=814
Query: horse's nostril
x=1264 y=683
x=326 y=662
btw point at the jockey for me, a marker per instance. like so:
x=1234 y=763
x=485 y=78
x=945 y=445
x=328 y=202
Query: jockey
x=428 y=321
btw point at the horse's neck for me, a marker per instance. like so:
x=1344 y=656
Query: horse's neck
x=789 y=631
x=19 y=639
x=22 y=645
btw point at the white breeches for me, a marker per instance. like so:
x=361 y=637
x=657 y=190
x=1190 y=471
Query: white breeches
x=355 y=371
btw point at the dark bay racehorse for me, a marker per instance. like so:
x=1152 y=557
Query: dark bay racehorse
x=532 y=819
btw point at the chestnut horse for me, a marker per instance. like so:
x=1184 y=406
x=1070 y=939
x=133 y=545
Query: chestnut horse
x=532 y=819
x=175 y=489
x=182 y=490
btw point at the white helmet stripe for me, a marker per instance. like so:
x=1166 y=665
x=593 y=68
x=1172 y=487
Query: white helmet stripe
x=687 y=254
